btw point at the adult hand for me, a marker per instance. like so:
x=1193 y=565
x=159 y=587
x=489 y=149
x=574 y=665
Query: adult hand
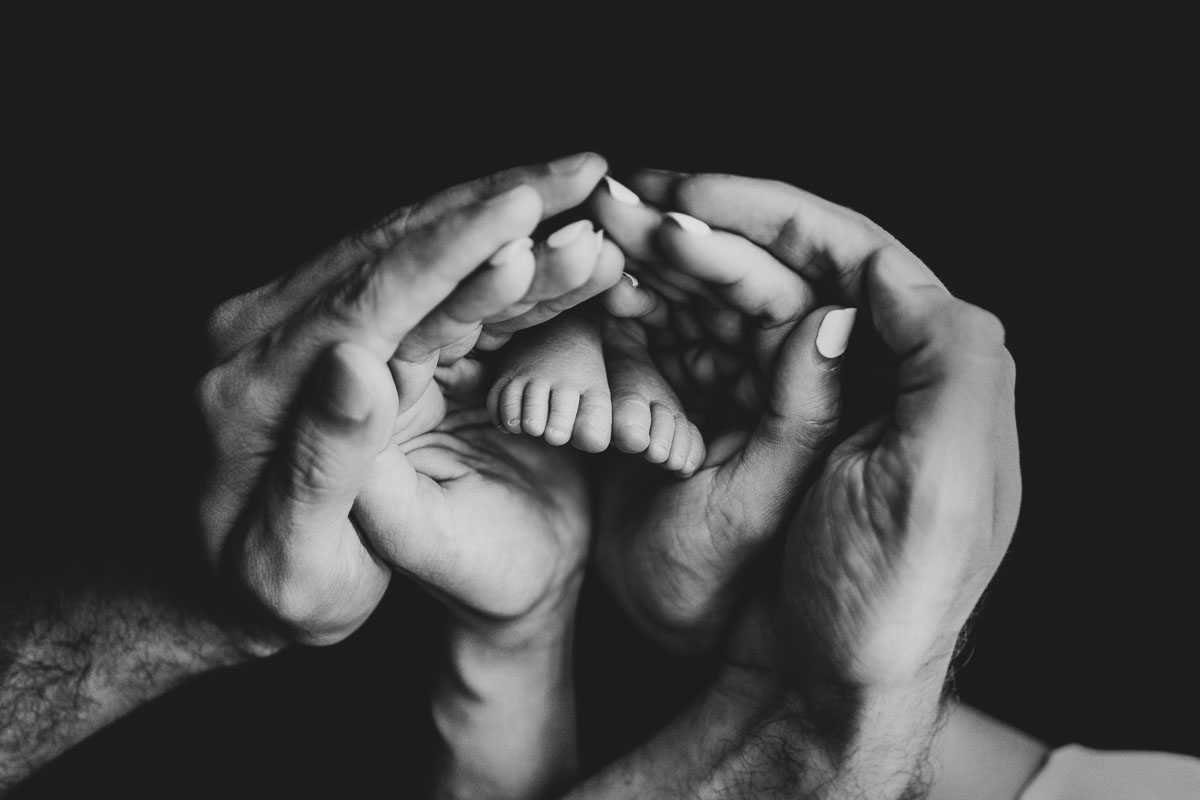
x=834 y=671
x=733 y=329
x=910 y=515
x=304 y=396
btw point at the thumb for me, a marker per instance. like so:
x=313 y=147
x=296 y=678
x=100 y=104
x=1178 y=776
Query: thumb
x=302 y=558
x=802 y=414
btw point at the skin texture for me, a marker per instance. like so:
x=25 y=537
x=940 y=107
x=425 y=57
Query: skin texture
x=339 y=460
x=588 y=380
x=495 y=526
x=317 y=378
x=848 y=637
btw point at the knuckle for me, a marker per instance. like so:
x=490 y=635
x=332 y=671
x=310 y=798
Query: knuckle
x=354 y=291
x=384 y=233
x=217 y=396
x=220 y=323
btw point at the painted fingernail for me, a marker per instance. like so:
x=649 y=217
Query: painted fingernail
x=569 y=233
x=689 y=224
x=621 y=193
x=514 y=249
x=633 y=281
x=834 y=333
x=569 y=163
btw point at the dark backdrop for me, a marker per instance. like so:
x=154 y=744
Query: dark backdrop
x=160 y=189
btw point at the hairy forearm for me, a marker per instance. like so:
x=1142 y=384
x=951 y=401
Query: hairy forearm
x=749 y=737
x=73 y=662
x=505 y=711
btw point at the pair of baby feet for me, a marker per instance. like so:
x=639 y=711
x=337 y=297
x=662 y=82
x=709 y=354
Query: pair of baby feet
x=587 y=379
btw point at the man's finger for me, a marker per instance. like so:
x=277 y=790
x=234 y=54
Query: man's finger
x=503 y=280
x=378 y=304
x=605 y=273
x=300 y=557
x=561 y=184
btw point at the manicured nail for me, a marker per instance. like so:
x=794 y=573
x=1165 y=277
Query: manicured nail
x=568 y=233
x=689 y=224
x=621 y=193
x=513 y=249
x=633 y=281
x=569 y=163
x=834 y=333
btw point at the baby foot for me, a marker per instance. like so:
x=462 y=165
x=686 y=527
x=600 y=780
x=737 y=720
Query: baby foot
x=647 y=416
x=553 y=384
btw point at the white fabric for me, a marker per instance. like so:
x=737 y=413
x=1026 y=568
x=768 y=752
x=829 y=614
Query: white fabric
x=1079 y=773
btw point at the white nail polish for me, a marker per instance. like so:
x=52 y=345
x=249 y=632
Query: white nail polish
x=689 y=224
x=621 y=193
x=834 y=333
x=633 y=281
x=511 y=250
x=568 y=233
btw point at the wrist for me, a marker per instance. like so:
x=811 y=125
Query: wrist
x=827 y=738
x=513 y=676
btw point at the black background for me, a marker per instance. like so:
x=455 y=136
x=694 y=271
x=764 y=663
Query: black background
x=162 y=182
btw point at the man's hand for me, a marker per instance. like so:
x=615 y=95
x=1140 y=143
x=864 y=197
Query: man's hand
x=312 y=511
x=305 y=398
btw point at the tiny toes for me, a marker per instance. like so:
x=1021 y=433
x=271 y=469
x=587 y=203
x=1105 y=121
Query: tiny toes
x=535 y=401
x=593 y=426
x=631 y=424
x=680 y=445
x=564 y=406
x=662 y=432
x=509 y=406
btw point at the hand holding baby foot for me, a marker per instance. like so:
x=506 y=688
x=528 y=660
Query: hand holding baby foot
x=736 y=333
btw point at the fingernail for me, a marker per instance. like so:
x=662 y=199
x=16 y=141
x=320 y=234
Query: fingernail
x=569 y=163
x=568 y=233
x=834 y=333
x=621 y=193
x=513 y=249
x=689 y=224
x=344 y=395
x=633 y=281
x=515 y=422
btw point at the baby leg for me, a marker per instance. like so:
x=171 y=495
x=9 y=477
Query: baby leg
x=553 y=383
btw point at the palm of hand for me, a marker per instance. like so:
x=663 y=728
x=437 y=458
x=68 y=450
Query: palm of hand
x=495 y=523
x=674 y=549
x=866 y=560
